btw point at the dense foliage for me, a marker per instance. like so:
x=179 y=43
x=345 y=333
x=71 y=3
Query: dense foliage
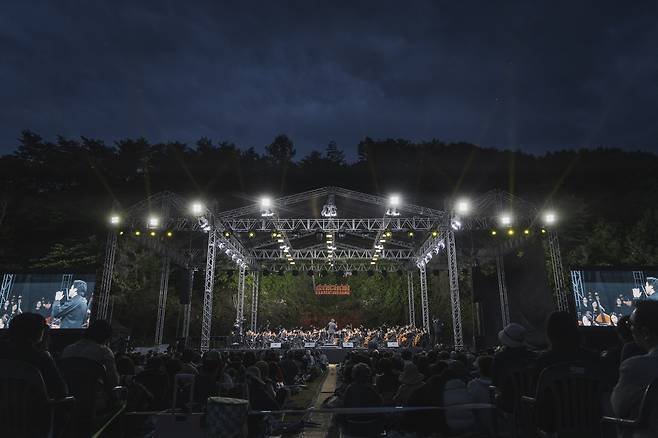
x=54 y=199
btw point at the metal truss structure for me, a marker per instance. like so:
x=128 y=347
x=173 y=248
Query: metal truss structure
x=254 y=300
x=239 y=317
x=453 y=278
x=7 y=283
x=411 y=299
x=247 y=240
x=578 y=287
x=162 y=300
x=558 y=272
x=187 y=309
x=425 y=309
x=502 y=289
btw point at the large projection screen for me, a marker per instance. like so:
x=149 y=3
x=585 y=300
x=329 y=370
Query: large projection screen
x=601 y=297
x=64 y=299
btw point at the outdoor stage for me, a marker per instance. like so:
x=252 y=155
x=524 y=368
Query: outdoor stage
x=334 y=355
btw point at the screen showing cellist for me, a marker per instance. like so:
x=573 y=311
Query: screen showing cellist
x=602 y=297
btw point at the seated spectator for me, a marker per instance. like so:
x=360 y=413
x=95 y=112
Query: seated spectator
x=512 y=353
x=635 y=373
x=289 y=368
x=360 y=393
x=410 y=380
x=93 y=346
x=154 y=378
x=138 y=398
x=455 y=393
x=26 y=331
x=387 y=382
x=630 y=348
x=260 y=399
x=478 y=389
x=187 y=359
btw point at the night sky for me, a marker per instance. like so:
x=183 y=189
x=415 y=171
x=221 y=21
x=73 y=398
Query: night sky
x=525 y=75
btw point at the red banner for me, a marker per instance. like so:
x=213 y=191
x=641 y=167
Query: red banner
x=332 y=289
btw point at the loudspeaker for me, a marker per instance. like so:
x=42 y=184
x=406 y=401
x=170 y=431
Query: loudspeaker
x=184 y=287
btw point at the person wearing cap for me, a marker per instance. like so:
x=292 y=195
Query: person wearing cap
x=410 y=380
x=512 y=353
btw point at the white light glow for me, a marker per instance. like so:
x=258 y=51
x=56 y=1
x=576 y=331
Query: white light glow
x=154 y=222
x=266 y=202
x=506 y=219
x=550 y=218
x=197 y=208
x=394 y=200
x=463 y=206
x=115 y=220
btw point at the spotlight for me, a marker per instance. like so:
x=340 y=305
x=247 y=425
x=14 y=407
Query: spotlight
x=115 y=219
x=526 y=232
x=274 y=235
x=463 y=206
x=227 y=234
x=153 y=222
x=505 y=219
x=435 y=233
x=292 y=263
x=197 y=208
x=138 y=233
x=251 y=234
x=510 y=232
x=550 y=218
x=152 y=233
x=372 y=263
x=394 y=200
x=169 y=234
x=410 y=234
x=266 y=202
x=543 y=231
x=120 y=233
x=494 y=232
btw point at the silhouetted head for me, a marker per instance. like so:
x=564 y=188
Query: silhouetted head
x=644 y=323
x=361 y=374
x=99 y=331
x=562 y=331
x=624 y=329
x=27 y=328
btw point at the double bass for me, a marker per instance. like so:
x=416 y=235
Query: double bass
x=601 y=317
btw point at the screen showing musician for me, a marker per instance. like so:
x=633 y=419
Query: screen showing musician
x=603 y=297
x=64 y=300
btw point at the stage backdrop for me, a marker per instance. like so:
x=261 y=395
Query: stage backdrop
x=39 y=293
x=529 y=296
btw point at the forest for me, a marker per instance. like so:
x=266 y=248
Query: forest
x=55 y=197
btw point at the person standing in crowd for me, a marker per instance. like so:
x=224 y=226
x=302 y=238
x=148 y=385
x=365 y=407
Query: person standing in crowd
x=93 y=346
x=73 y=311
x=635 y=373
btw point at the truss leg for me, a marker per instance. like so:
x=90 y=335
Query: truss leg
x=106 y=280
x=410 y=296
x=206 y=322
x=453 y=275
x=254 y=301
x=7 y=282
x=502 y=289
x=558 y=272
x=187 y=311
x=423 y=298
x=239 y=317
x=162 y=301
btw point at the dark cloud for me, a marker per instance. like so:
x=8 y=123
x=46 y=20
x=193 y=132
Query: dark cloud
x=529 y=75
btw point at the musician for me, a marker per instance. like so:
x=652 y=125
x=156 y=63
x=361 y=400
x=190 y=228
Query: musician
x=650 y=288
x=73 y=311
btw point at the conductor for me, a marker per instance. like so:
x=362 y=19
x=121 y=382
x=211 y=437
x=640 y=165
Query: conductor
x=331 y=328
x=73 y=311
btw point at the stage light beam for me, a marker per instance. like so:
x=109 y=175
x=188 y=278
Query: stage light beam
x=505 y=219
x=550 y=218
x=197 y=208
x=115 y=219
x=463 y=206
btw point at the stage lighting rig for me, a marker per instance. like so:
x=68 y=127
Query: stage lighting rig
x=115 y=219
x=266 y=207
x=505 y=219
x=197 y=208
x=153 y=222
x=329 y=209
x=394 y=202
x=463 y=207
x=549 y=218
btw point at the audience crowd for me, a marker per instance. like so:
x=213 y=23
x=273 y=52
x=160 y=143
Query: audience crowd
x=439 y=377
